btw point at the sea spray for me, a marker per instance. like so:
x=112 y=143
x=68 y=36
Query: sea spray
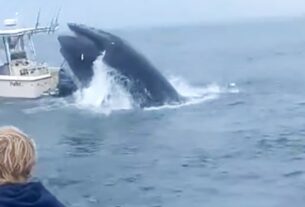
x=103 y=94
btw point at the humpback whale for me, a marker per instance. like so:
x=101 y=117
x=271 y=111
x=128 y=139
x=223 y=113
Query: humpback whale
x=146 y=85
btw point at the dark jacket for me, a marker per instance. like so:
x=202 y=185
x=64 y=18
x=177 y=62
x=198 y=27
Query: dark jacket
x=24 y=195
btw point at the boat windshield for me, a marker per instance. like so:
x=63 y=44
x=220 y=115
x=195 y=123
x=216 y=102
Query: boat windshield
x=19 y=48
x=18 y=55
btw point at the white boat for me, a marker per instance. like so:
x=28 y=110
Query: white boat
x=21 y=75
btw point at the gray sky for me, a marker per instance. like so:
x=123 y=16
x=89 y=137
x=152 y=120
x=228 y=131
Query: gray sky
x=122 y=13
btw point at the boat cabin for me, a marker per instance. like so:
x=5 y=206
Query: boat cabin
x=21 y=75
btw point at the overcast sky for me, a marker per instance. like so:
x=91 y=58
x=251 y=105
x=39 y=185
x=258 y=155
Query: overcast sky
x=122 y=13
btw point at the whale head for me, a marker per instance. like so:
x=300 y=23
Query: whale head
x=80 y=54
x=82 y=49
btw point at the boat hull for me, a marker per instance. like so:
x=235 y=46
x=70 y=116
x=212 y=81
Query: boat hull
x=27 y=87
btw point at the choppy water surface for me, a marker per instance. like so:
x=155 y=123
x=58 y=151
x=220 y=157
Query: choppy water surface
x=238 y=141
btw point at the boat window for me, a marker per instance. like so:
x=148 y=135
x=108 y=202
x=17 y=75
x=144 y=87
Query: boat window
x=18 y=55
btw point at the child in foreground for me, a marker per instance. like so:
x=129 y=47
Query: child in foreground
x=17 y=159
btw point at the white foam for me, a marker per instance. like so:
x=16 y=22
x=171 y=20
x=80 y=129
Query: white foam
x=196 y=94
x=103 y=94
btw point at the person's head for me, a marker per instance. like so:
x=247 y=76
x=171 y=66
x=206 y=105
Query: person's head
x=17 y=156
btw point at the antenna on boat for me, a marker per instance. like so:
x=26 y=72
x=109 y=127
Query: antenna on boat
x=57 y=17
x=37 y=20
x=54 y=23
x=51 y=26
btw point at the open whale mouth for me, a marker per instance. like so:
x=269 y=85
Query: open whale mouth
x=80 y=50
x=83 y=47
x=80 y=53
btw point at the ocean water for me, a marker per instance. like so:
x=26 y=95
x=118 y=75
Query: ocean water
x=238 y=141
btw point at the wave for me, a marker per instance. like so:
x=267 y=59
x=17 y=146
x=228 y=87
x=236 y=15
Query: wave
x=196 y=94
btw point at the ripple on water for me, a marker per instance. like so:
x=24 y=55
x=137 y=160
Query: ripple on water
x=62 y=183
x=198 y=159
x=82 y=145
x=292 y=174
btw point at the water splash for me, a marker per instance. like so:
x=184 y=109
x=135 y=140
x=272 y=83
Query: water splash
x=104 y=94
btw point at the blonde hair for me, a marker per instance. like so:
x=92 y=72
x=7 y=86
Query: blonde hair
x=17 y=156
